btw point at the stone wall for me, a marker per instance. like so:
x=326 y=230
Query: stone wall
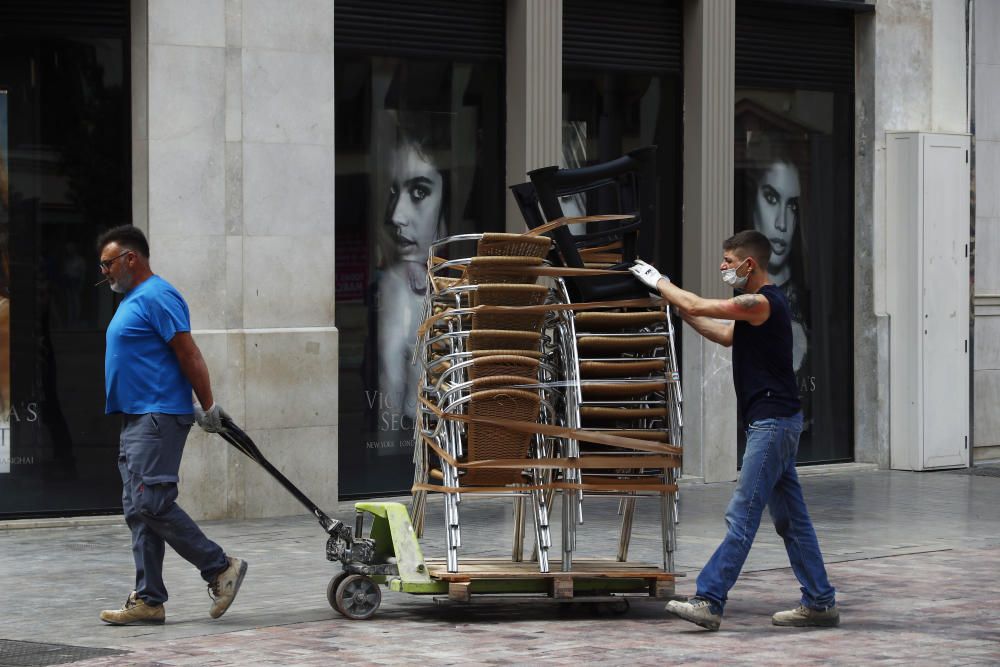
x=986 y=300
x=233 y=130
x=911 y=73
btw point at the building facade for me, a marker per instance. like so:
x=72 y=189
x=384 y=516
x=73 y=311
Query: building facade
x=291 y=160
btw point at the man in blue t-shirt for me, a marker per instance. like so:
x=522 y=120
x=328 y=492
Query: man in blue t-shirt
x=757 y=325
x=151 y=366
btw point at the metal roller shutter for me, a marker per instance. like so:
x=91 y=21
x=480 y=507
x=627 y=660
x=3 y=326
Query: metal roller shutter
x=449 y=29
x=632 y=35
x=61 y=17
x=785 y=46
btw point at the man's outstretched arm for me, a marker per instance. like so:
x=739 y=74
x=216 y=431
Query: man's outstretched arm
x=752 y=308
x=716 y=331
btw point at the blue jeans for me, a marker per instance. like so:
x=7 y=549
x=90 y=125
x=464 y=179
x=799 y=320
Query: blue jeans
x=148 y=460
x=768 y=478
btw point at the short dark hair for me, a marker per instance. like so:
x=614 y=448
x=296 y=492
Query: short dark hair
x=752 y=243
x=126 y=236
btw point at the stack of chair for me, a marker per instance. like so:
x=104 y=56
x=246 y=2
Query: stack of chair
x=480 y=371
x=567 y=385
x=625 y=361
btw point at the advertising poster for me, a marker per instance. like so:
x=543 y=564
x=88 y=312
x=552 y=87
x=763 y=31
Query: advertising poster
x=4 y=290
x=788 y=182
x=408 y=166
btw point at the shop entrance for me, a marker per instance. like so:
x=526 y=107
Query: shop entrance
x=64 y=176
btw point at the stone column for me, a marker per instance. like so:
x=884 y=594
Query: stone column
x=709 y=90
x=910 y=76
x=239 y=108
x=534 y=92
x=986 y=300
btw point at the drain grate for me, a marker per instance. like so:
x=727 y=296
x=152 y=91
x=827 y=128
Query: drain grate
x=34 y=654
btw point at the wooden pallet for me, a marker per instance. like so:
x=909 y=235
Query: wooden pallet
x=495 y=575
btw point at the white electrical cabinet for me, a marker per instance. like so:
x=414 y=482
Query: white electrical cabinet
x=927 y=297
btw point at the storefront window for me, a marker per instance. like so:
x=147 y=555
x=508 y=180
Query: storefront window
x=419 y=156
x=64 y=176
x=606 y=114
x=794 y=184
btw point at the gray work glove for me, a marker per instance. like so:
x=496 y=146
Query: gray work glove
x=647 y=275
x=210 y=420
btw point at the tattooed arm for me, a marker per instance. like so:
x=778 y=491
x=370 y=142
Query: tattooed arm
x=717 y=331
x=752 y=308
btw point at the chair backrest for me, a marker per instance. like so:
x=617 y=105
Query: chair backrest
x=500 y=269
x=505 y=294
x=504 y=365
x=513 y=245
x=494 y=441
x=527 y=201
x=625 y=185
x=498 y=339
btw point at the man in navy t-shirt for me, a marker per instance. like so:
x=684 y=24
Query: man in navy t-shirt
x=757 y=325
x=151 y=366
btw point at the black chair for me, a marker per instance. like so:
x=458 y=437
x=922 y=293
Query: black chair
x=626 y=185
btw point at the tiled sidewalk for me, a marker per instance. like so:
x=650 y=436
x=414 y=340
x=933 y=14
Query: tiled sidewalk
x=925 y=620
x=915 y=559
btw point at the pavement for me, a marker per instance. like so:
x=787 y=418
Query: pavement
x=915 y=558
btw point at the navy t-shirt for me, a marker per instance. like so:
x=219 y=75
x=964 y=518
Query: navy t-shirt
x=141 y=371
x=762 y=363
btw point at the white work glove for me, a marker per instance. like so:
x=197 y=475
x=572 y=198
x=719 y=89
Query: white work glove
x=647 y=275
x=210 y=420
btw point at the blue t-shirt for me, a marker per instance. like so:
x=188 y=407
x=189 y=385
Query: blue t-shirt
x=762 y=363
x=141 y=371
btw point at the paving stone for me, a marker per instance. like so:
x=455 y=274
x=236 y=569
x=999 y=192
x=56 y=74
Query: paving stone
x=914 y=557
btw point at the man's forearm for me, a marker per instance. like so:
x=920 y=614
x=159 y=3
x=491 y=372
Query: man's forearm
x=196 y=371
x=681 y=298
x=714 y=330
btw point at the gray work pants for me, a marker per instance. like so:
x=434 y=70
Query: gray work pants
x=149 y=459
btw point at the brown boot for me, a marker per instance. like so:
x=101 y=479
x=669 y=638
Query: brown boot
x=135 y=611
x=225 y=587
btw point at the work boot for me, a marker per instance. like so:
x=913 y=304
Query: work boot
x=226 y=585
x=804 y=617
x=135 y=611
x=698 y=611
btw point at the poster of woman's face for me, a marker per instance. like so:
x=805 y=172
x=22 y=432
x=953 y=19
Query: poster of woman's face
x=419 y=157
x=793 y=158
x=4 y=173
x=414 y=211
x=776 y=213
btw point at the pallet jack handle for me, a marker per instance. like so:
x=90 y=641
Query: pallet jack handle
x=236 y=437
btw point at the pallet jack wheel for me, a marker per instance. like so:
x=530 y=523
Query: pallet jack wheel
x=357 y=597
x=619 y=606
x=616 y=606
x=331 y=590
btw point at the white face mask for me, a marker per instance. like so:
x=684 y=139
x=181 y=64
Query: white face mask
x=730 y=278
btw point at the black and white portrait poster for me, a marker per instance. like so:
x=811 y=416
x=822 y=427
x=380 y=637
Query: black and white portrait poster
x=5 y=403
x=793 y=186
x=411 y=169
